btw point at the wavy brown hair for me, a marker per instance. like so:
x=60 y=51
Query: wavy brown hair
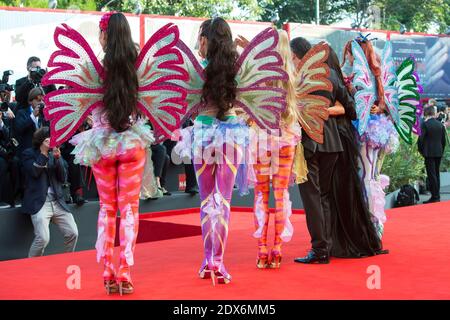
x=220 y=86
x=121 y=83
x=374 y=64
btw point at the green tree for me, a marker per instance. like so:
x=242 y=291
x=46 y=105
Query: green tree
x=229 y=9
x=305 y=11
x=416 y=15
x=90 y=5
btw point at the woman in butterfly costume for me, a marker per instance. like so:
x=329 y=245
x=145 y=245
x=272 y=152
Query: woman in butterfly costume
x=119 y=92
x=274 y=154
x=353 y=234
x=348 y=227
x=218 y=142
x=386 y=105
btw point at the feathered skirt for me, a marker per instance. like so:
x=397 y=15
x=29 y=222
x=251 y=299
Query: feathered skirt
x=208 y=136
x=91 y=145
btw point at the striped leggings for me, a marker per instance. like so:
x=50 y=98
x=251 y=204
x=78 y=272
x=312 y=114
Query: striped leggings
x=280 y=184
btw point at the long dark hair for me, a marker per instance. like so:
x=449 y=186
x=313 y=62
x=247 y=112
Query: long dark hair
x=220 y=85
x=121 y=83
x=300 y=46
x=333 y=63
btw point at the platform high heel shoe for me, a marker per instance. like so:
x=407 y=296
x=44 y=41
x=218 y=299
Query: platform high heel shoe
x=109 y=281
x=110 y=286
x=220 y=275
x=125 y=287
x=275 y=261
x=205 y=272
x=262 y=260
x=222 y=278
x=216 y=274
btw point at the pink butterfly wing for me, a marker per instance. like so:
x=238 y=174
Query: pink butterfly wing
x=159 y=63
x=258 y=64
x=76 y=66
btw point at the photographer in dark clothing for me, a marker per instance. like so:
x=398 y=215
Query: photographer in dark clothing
x=32 y=80
x=8 y=164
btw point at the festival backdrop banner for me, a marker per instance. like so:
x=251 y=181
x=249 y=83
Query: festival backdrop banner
x=30 y=33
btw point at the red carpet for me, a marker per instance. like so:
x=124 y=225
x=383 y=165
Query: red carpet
x=416 y=268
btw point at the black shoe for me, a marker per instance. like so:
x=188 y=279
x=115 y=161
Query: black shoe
x=192 y=191
x=312 y=257
x=165 y=192
x=382 y=251
x=432 y=200
x=79 y=200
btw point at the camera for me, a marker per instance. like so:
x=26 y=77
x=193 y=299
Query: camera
x=41 y=107
x=36 y=74
x=8 y=150
x=4 y=106
x=5 y=90
x=4 y=86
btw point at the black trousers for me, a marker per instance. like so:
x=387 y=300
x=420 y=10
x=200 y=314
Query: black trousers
x=74 y=175
x=159 y=154
x=432 y=166
x=315 y=194
x=9 y=179
x=74 y=171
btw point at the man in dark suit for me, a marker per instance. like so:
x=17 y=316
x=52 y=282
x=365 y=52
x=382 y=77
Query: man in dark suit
x=321 y=160
x=29 y=119
x=431 y=146
x=43 y=198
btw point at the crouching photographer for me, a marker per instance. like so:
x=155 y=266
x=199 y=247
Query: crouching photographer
x=44 y=199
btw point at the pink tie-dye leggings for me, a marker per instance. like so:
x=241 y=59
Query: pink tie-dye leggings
x=119 y=183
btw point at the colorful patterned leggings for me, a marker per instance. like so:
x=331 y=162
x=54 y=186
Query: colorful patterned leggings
x=371 y=166
x=216 y=181
x=280 y=184
x=119 y=183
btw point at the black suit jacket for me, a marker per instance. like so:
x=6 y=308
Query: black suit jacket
x=432 y=141
x=23 y=88
x=332 y=141
x=4 y=139
x=40 y=173
x=24 y=129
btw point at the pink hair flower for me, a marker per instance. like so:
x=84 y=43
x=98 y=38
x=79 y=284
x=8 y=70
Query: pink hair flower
x=105 y=20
